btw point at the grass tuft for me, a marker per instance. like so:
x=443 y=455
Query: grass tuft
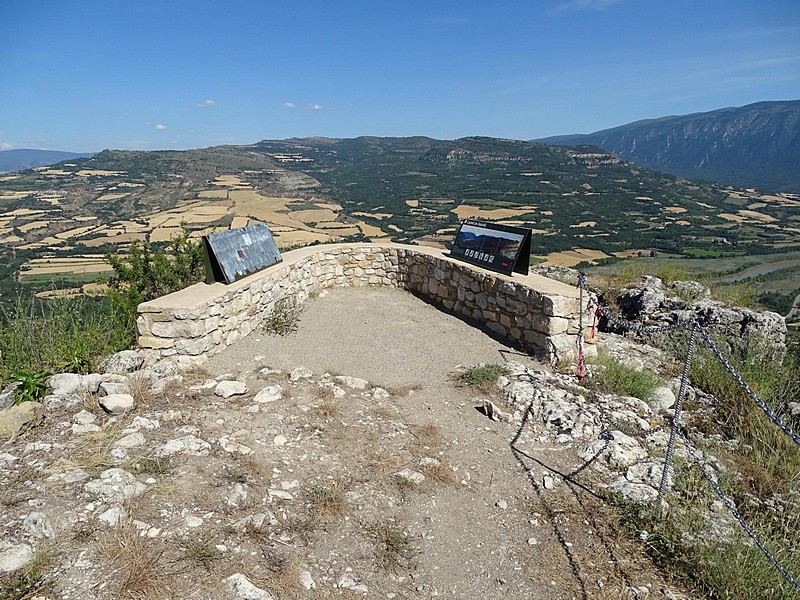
x=32 y=579
x=614 y=377
x=482 y=377
x=393 y=547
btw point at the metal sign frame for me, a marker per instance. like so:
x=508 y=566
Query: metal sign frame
x=496 y=247
x=236 y=253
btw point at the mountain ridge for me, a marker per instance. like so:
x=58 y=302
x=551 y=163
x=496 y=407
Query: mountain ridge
x=757 y=145
x=19 y=159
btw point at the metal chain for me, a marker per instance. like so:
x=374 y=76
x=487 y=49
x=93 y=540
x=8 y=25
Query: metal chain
x=687 y=365
x=732 y=508
x=607 y=436
x=743 y=384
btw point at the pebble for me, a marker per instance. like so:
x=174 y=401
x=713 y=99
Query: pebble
x=501 y=504
x=226 y=389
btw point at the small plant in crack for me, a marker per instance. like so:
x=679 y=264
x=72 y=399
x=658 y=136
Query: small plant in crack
x=393 y=547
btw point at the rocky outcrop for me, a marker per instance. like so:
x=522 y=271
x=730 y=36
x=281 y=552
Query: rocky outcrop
x=652 y=303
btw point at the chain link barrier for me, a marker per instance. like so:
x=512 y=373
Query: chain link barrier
x=674 y=424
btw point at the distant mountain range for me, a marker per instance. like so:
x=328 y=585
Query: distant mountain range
x=24 y=158
x=757 y=145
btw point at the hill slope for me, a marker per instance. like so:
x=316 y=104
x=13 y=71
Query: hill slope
x=23 y=158
x=757 y=145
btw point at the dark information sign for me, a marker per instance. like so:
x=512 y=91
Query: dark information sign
x=232 y=254
x=500 y=248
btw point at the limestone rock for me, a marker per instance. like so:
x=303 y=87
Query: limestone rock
x=650 y=302
x=84 y=428
x=117 y=404
x=352 y=382
x=107 y=388
x=115 y=485
x=662 y=398
x=64 y=384
x=306 y=580
x=271 y=393
x=19 y=418
x=411 y=476
x=91 y=382
x=8 y=394
x=188 y=444
x=38 y=524
x=133 y=440
x=84 y=417
x=113 y=516
x=123 y=362
x=14 y=556
x=494 y=413
x=256 y=521
x=300 y=373
x=226 y=389
x=238 y=587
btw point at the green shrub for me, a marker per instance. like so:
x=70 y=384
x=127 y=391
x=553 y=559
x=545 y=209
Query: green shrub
x=144 y=273
x=32 y=385
x=61 y=334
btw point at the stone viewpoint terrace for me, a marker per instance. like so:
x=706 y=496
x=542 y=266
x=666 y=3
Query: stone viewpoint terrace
x=532 y=312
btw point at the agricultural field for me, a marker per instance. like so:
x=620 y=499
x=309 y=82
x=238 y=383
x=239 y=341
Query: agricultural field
x=583 y=206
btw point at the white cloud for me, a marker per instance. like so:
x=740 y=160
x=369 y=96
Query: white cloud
x=315 y=107
x=288 y=104
x=6 y=146
x=161 y=127
x=208 y=103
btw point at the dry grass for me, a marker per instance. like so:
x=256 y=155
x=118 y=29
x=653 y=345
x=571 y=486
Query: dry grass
x=441 y=472
x=198 y=549
x=144 y=572
x=403 y=390
x=384 y=463
x=427 y=438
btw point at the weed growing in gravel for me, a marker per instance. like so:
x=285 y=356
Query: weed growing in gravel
x=482 y=377
x=327 y=501
x=284 y=318
x=152 y=465
x=393 y=547
x=30 y=580
x=199 y=549
x=327 y=408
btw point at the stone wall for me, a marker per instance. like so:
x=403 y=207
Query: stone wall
x=533 y=312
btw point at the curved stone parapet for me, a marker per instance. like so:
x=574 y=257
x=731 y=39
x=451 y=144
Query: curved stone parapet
x=533 y=312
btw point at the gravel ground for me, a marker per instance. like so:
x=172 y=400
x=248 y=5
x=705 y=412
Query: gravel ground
x=385 y=336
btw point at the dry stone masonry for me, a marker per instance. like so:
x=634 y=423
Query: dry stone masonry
x=536 y=313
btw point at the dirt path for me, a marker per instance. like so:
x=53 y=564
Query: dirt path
x=492 y=530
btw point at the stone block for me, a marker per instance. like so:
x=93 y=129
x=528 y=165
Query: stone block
x=157 y=343
x=560 y=306
x=193 y=347
x=178 y=329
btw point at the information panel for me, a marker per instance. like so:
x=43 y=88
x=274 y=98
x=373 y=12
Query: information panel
x=500 y=248
x=232 y=254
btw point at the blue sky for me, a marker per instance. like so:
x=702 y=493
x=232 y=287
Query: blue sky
x=160 y=74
